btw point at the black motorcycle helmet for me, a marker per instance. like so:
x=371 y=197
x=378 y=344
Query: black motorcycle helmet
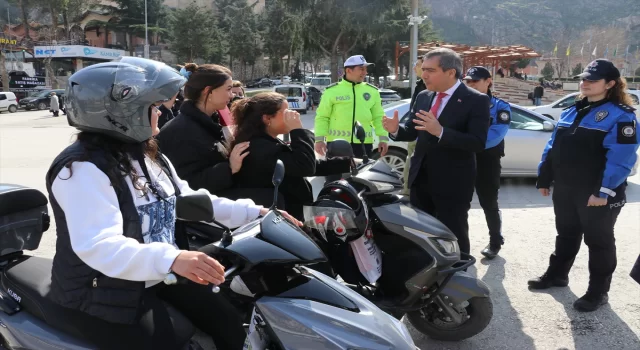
x=345 y=218
x=114 y=98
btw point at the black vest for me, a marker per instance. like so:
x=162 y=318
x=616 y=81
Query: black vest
x=77 y=286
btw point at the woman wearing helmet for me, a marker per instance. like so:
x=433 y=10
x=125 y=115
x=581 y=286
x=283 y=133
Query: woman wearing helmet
x=113 y=196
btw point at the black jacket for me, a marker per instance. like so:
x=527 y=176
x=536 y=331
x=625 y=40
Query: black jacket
x=191 y=142
x=420 y=87
x=449 y=164
x=76 y=285
x=538 y=91
x=299 y=162
x=165 y=117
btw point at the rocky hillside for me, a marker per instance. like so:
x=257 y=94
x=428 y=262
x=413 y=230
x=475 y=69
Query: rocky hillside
x=538 y=24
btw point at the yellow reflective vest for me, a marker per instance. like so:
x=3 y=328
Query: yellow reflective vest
x=343 y=104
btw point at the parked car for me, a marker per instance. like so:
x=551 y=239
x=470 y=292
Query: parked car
x=554 y=110
x=528 y=135
x=258 y=83
x=388 y=96
x=296 y=95
x=8 y=102
x=320 y=83
x=39 y=100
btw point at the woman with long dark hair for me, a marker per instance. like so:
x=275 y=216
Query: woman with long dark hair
x=114 y=200
x=259 y=120
x=194 y=140
x=588 y=159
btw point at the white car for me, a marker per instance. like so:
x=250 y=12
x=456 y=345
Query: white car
x=8 y=102
x=555 y=109
x=296 y=94
x=528 y=135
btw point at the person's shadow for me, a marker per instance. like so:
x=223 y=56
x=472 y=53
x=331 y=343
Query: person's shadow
x=601 y=329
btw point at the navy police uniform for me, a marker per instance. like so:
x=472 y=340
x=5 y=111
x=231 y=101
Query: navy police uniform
x=591 y=152
x=488 y=162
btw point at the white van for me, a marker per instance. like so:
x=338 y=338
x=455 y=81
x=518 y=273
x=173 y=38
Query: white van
x=296 y=95
x=8 y=102
x=555 y=109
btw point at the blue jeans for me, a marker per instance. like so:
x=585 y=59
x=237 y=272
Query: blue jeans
x=537 y=101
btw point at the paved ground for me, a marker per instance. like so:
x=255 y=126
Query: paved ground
x=522 y=319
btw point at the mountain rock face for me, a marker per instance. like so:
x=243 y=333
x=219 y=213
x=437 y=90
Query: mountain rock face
x=538 y=24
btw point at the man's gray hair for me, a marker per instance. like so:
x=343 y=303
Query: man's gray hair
x=449 y=59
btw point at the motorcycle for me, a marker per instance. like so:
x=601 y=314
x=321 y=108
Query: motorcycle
x=423 y=271
x=292 y=306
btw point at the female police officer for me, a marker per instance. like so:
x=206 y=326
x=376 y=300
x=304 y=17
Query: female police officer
x=588 y=158
x=488 y=161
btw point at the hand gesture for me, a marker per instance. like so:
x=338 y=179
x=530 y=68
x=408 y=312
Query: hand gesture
x=321 y=147
x=383 y=147
x=426 y=121
x=544 y=192
x=237 y=155
x=198 y=267
x=292 y=120
x=596 y=201
x=391 y=124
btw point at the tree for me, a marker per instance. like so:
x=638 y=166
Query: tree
x=24 y=9
x=336 y=26
x=4 y=44
x=547 y=71
x=199 y=38
x=48 y=33
x=282 y=35
x=577 y=69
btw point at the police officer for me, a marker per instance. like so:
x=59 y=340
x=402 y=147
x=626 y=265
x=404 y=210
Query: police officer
x=346 y=102
x=488 y=161
x=588 y=158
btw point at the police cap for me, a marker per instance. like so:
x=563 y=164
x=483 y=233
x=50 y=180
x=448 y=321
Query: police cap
x=599 y=69
x=477 y=73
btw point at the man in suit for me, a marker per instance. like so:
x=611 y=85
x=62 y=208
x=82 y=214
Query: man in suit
x=450 y=122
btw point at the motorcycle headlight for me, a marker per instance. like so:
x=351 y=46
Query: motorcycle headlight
x=445 y=246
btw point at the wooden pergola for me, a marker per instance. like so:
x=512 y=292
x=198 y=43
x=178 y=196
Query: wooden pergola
x=495 y=56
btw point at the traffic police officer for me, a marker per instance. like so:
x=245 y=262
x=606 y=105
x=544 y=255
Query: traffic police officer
x=488 y=161
x=588 y=158
x=346 y=102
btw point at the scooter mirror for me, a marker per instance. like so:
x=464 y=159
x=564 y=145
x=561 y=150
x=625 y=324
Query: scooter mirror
x=339 y=148
x=194 y=206
x=278 y=173
x=358 y=130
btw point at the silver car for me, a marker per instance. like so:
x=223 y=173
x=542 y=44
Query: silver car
x=528 y=135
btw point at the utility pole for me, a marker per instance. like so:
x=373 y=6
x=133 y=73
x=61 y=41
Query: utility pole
x=146 y=32
x=414 y=21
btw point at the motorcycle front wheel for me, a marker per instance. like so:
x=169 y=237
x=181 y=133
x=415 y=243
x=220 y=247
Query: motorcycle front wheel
x=476 y=315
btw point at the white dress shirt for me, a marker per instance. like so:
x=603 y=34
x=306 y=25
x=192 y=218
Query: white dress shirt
x=443 y=104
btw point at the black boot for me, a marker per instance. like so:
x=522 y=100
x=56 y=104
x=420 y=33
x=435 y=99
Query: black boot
x=491 y=251
x=547 y=281
x=591 y=301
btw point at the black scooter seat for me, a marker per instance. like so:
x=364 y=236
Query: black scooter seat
x=16 y=198
x=28 y=281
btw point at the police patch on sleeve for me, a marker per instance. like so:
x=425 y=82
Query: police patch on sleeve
x=627 y=133
x=366 y=96
x=503 y=117
x=600 y=115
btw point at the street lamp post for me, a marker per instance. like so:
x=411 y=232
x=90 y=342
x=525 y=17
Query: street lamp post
x=146 y=32
x=414 y=21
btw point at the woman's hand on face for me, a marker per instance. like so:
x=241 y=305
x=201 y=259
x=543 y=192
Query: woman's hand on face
x=198 y=267
x=292 y=120
x=236 y=156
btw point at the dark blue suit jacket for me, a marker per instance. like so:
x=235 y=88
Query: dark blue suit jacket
x=448 y=165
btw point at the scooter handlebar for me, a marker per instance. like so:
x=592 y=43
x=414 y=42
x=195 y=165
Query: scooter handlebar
x=172 y=279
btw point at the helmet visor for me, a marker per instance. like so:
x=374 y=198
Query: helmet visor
x=331 y=221
x=137 y=84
